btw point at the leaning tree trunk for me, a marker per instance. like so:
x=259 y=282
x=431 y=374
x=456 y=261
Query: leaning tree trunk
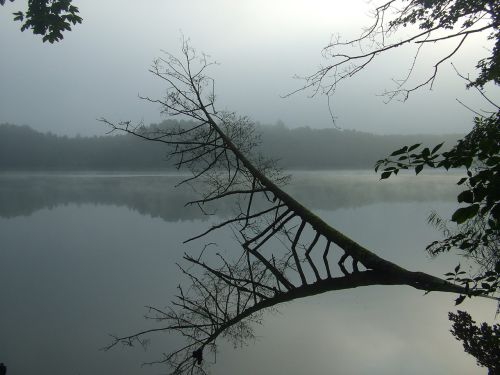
x=312 y=256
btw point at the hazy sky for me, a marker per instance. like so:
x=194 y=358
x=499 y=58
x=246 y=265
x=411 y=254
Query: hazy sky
x=101 y=66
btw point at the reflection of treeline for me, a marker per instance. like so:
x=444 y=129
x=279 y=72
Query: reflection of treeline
x=303 y=148
x=149 y=195
x=156 y=196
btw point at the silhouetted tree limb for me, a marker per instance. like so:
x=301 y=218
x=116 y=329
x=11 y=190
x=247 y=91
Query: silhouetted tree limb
x=437 y=21
x=284 y=248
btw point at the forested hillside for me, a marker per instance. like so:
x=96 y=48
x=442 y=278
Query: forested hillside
x=22 y=148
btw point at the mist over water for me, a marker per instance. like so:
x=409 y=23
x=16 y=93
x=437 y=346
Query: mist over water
x=82 y=254
x=154 y=194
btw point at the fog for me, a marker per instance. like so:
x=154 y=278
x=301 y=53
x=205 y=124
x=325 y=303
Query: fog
x=86 y=241
x=101 y=65
x=153 y=195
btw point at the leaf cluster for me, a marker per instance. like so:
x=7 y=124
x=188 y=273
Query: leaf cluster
x=478 y=217
x=445 y=13
x=483 y=342
x=486 y=283
x=49 y=18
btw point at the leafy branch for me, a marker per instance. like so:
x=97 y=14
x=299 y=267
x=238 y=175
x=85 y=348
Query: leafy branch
x=49 y=18
x=478 y=217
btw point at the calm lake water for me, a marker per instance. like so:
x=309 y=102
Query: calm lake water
x=82 y=254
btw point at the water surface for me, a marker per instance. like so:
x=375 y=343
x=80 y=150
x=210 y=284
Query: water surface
x=82 y=254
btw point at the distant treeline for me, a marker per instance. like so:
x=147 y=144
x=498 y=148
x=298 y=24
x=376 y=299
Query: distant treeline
x=22 y=148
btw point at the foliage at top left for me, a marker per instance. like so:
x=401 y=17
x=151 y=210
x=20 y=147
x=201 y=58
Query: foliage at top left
x=49 y=18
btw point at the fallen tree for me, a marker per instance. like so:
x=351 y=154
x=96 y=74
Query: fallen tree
x=285 y=250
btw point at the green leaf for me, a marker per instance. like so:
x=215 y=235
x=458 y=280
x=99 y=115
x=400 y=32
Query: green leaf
x=465 y=196
x=414 y=147
x=437 y=148
x=19 y=16
x=465 y=213
x=419 y=168
x=400 y=151
x=459 y=300
x=385 y=175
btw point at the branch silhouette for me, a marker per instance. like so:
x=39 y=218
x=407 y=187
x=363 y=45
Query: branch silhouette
x=435 y=22
x=285 y=251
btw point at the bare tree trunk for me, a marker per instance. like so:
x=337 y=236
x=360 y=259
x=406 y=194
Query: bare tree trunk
x=285 y=251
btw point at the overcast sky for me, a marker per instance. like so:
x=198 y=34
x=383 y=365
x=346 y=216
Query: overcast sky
x=101 y=66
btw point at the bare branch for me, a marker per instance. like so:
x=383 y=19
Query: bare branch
x=224 y=299
x=437 y=22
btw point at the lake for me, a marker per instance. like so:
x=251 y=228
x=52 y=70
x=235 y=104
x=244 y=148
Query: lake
x=81 y=254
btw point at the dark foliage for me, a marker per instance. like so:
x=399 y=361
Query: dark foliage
x=478 y=217
x=49 y=18
x=482 y=342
